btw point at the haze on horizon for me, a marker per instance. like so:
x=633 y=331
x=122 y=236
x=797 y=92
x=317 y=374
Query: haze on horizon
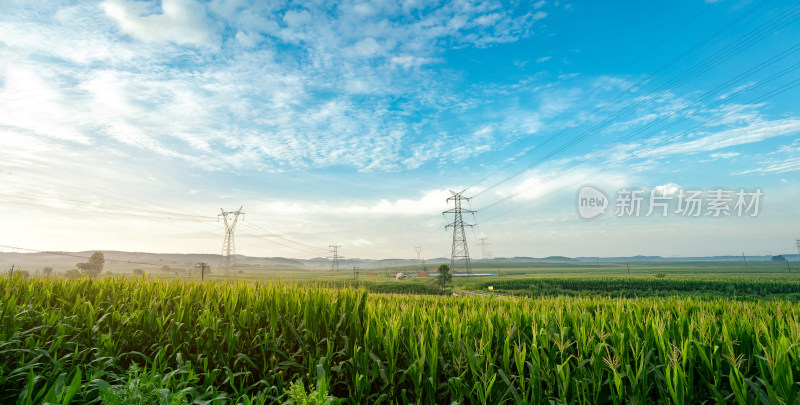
x=127 y=125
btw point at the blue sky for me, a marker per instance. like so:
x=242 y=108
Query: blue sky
x=348 y=123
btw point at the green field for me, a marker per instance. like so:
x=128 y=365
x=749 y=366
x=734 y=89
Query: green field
x=756 y=280
x=670 y=333
x=564 y=336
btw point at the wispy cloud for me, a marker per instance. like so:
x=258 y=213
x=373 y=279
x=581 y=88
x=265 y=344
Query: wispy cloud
x=179 y=21
x=227 y=85
x=754 y=132
x=784 y=160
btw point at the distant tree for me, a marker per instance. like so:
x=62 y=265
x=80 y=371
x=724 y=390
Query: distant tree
x=445 y=276
x=94 y=266
x=47 y=271
x=778 y=258
x=22 y=273
x=138 y=272
x=72 y=273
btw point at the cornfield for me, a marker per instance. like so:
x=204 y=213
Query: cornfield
x=788 y=289
x=65 y=341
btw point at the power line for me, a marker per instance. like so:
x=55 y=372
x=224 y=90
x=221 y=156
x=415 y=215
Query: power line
x=607 y=122
x=272 y=241
x=279 y=236
x=585 y=178
x=78 y=256
x=135 y=212
x=721 y=55
x=608 y=151
x=636 y=85
x=619 y=163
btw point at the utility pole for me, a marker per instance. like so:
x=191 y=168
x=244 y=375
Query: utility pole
x=228 y=246
x=744 y=259
x=629 y=268
x=202 y=267
x=355 y=273
x=335 y=257
x=459 y=256
x=484 y=251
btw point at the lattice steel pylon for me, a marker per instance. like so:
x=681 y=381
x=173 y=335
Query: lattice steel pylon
x=459 y=257
x=229 y=246
x=420 y=259
x=484 y=251
x=335 y=257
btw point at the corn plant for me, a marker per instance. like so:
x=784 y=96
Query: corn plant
x=82 y=341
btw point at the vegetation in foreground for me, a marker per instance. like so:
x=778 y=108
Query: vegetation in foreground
x=84 y=340
x=657 y=286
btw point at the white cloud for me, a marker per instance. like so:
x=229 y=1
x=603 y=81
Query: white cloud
x=546 y=182
x=409 y=61
x=314 y=103
x=431 y=202
x=367 y=47
x=754 y=132
x=783 y=160
x=724 y=155
x=180 y=21
x=30 y=104
x=667 y=189
x=297 y=18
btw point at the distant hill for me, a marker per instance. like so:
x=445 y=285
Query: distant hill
x=126 y=261
x=535 y=259
x=790 y=257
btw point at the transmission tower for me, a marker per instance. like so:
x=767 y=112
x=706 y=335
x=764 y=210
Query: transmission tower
x=335 y=257
x=798 y=250
x=459 y=257
x=228 y=246
x=484 y=250
x=420 y=259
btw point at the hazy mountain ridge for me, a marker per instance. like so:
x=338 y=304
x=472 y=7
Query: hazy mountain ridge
x=128 y=260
